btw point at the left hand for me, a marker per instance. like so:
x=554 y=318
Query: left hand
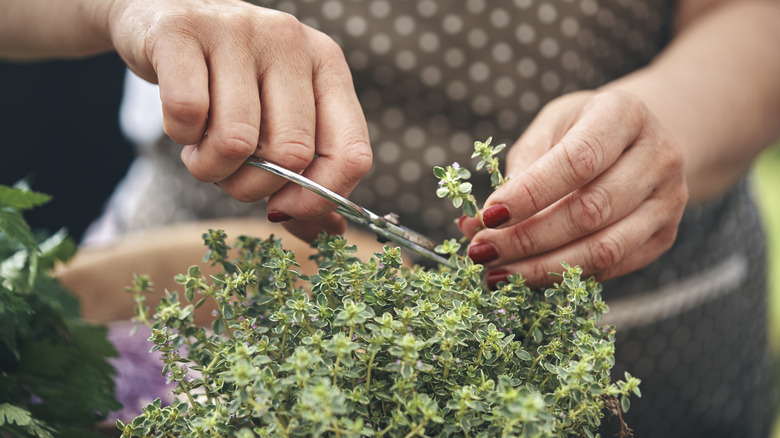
x=596 y=181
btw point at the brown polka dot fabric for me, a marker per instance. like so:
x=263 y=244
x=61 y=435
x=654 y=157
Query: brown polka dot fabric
x=433 y=76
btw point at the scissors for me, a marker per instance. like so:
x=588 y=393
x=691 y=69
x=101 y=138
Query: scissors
x=387 y=226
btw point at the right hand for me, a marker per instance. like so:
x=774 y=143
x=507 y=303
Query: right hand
x=238 y=80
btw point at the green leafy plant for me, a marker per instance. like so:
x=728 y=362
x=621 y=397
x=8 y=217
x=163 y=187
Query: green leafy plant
x=377 y=348
x=55 y=379
x=453 y=179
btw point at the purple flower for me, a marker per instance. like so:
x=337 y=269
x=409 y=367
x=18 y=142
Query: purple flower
x=456 y=165
x=419 y=363
x=214 y=312
x=314 y=318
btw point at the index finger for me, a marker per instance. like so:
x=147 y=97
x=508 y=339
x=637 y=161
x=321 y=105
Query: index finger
x=234 y=118
x=603 y=130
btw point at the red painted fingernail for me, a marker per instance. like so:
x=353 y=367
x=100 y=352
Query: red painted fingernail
x=495 y=215
x=495 y=277
x=278 y=216
x=482 y=252
x=460 y=221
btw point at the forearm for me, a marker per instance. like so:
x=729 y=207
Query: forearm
x=716 y=88
x=38 y=29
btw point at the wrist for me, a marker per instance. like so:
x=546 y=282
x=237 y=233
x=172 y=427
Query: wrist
x=39 y=29
x=96 y=16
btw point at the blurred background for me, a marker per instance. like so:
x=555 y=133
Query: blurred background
x=767 y=187
x=58 y=118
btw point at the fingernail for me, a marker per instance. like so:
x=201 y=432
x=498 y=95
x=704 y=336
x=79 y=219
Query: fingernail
x=482 y=252
x=495 y=277
x=278 y=216
x=495 y=215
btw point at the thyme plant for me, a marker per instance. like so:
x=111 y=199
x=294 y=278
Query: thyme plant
x=453 y=180
x=376 y=348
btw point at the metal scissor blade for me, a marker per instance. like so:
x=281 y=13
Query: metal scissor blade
x=385 y=226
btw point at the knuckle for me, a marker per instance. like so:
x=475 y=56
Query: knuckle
x=666 y=238
x=671 y=158
x=533 y=187
x=536 y=273
x=332 y=70
x=199 y=173
x=326 y=46
x=523 y=242
x=173 y=22
x=243 y=195
x=583 y=159
x=284 y=25
x=605 y=253
x=631 y=106
x=292 y=148
x=590 y=209
x=239 y=140
x=186 y=108
x=281 y=33
x=357 y=157
x=313 y=209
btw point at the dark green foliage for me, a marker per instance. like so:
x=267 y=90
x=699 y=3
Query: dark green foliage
x=55 y=379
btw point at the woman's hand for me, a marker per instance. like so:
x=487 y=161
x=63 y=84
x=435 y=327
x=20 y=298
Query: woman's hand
x=596 y=181
x=238 y=80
